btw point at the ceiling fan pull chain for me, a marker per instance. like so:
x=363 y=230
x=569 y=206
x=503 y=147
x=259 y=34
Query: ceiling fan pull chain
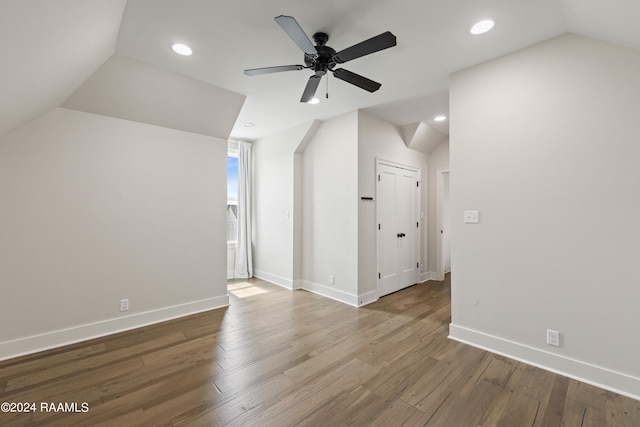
x=327 y=86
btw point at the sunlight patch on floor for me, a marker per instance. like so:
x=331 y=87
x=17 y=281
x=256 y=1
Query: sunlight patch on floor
x=244 y=289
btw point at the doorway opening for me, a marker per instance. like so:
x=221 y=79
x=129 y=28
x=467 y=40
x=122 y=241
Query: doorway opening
x=443 y=221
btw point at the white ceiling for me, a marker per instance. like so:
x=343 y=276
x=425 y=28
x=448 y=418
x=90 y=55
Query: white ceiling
x=51 y=47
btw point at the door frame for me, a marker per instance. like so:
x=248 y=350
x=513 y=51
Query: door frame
x=418 y=240
x=440 y=220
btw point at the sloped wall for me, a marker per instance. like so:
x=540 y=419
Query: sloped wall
x=129 y=89
x=50 y=49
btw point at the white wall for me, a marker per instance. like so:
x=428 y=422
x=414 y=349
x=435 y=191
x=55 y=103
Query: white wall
x=544 y=143
x=96 y=209
x=380 y=139
x=317 y=173
x=330 y=209
x=274 y=210
x=438 y=159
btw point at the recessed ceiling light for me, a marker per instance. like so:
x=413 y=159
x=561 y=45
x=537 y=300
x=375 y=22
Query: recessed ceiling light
x=249 y=125
x=440 y=118
x=181 y=49
x=314 y=101
x=482 y=27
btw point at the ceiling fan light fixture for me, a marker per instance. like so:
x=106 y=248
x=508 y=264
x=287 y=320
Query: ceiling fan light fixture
x=440 y=118
x=181 y=49
x=482 y=27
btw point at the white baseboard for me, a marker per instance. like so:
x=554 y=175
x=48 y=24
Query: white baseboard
x=330 y=292
x=598 y=376
x=62 y=337
x=230 y=274
x=316 y=288
x=273 y=278
x=367 y=298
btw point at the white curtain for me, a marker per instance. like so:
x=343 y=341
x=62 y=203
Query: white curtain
x=244 y=261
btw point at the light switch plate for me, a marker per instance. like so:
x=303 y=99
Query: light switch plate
x=470 y=217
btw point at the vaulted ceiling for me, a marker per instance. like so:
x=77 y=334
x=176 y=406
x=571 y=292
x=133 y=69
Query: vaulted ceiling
x=52 y=46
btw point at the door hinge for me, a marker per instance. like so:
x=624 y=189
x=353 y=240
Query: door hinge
x=417 y=183
x=379 y=276
x=417 y=265
x=378 y=226
x=417 y=224
x=378 y=177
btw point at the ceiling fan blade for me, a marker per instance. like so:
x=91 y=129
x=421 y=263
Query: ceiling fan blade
x=268 y=70
x=310 y=88
x=357 y=80
x=293 y=29
x=374 y=44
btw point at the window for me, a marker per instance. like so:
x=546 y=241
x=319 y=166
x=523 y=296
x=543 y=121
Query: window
x=232 y=199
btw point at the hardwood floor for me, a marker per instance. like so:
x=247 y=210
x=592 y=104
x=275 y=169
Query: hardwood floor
x=282 y=358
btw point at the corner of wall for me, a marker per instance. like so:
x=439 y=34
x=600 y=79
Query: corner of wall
x=308 y=136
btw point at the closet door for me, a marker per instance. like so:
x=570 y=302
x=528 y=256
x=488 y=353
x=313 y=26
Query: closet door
x=398 y=228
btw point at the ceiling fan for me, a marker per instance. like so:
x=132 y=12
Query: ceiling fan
x=321 y=58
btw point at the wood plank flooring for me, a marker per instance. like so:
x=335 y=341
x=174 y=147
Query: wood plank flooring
x=282 y=358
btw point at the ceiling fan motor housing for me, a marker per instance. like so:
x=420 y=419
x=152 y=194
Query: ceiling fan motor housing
x=324 y=60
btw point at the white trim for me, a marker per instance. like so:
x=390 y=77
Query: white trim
x=273 y=278
x=393 y=164
x=598 y=376
x=367 y=298
x=431 y=275
x=326 y=291
x=418 y=195
x=62 y=337
x=232 y=148
x=424 y=277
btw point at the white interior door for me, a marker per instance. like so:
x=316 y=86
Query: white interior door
x=398 y=204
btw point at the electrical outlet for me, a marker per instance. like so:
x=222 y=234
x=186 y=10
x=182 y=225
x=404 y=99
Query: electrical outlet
x=124 y=304
x=332 y=280
x=470 y=217
x=553 y=338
